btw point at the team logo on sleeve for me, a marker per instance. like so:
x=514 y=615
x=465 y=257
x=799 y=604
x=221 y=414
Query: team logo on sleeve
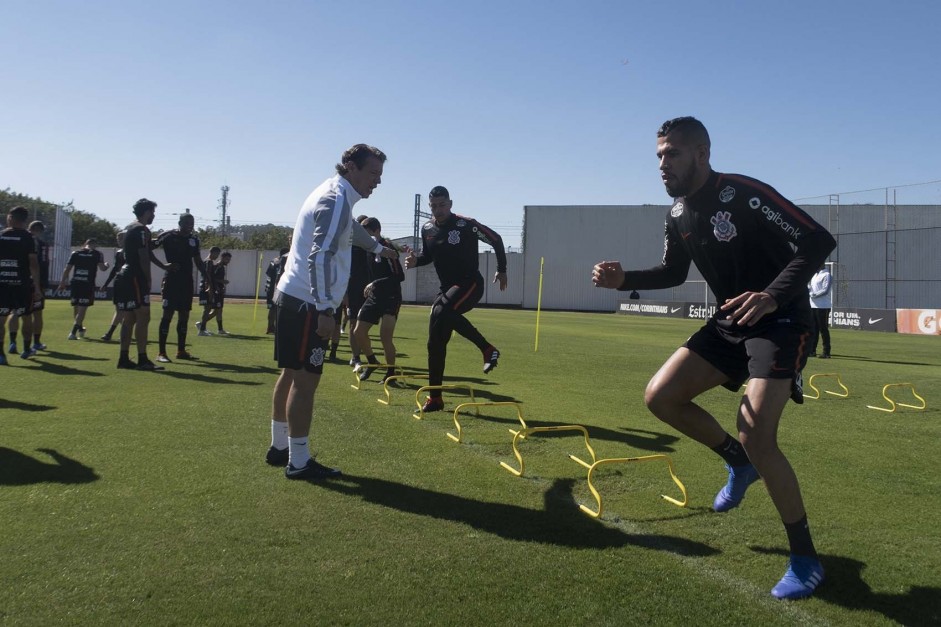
x=316 y=357
x=454 y=237
x=677 y=210
x=727 y=194
x=722 y=226
x=461 y=223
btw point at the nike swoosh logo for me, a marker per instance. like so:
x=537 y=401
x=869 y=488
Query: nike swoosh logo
x=672 y=310
x=873 y=321
x=686 y=235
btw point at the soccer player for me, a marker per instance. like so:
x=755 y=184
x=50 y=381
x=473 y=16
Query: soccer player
x=450 y=241
x=272 y=274
x=311 y=288
x=181 y=249
x=85 y=263
x=117 y=265
x=19 y=276
x=383 y=301
x=36 y=229
x=359 y=278
x=757 y=251
x=132 y=287
x=207 y=289
x=215 y=298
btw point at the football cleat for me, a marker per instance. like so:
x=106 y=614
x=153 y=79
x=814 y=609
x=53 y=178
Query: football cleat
x=277 y=456
x=433 y=403
x=312 y=470
x=803 y=575
x=126 y=364
x=491 y=355
x=162 y=358
x=740 y=477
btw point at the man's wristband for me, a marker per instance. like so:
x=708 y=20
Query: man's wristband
x=326 y=312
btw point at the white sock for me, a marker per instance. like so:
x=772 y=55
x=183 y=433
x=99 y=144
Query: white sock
x=279 y=435
x=298 y=453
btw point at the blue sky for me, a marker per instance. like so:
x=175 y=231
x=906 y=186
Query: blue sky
x=505 y=103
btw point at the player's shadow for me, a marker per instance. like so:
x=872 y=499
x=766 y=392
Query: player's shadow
x=559 y=522
x=193 y=376
x=19 y=469
x=59 y=369
x=234 y=368
x=870 y=360
x=70 y=356
x=10 y=404
x=844 y=586
x=253 y=338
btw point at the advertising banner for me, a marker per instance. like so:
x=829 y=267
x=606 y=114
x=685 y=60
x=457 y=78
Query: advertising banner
x=863 y=319
x=918 y=321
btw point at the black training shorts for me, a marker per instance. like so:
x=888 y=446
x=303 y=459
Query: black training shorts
x=380 y=304
x=773 y=349
x=296 y=344
x=15 y=300
x=177 y=292
x=82 y=294
x=130 y=293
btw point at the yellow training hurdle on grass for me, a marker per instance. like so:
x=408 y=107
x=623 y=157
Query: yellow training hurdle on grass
x=892 y=404
x=396 y=377
x=526 y=431
x=839 y=382
x=361 y=367
x=625 y=460
x=420 y=414
x=476 y=406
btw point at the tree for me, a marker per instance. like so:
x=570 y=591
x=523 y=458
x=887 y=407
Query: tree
x=87 y=225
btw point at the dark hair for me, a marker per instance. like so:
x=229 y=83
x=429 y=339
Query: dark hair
x=360 y=218
x=359 y=154
x=371 y=224
x=19 y=214
x=142 y=206
x=226 y=254
x=689 y=127
x=37 y=225
x=439 y=191
x=284 y=251
x=91 y=240
x=189 y=217
x=214 y=250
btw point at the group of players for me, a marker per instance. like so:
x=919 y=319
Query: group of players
x=24 y=279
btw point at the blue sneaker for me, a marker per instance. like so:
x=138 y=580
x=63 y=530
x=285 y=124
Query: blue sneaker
x=3 y=360
x=740 y=477
x=803 y=576
x=312 y=471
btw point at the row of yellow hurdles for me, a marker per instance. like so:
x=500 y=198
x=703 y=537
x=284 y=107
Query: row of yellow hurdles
x=844 y=392
x=518 y=434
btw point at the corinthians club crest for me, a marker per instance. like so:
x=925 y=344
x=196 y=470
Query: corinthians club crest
x=722 y=226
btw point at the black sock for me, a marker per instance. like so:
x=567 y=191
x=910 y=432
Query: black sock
x=13 y=336
x=125 y=355
x=372 y=359
x=798 y=536
x=390 y=372
x=36 y=338
x=142 y=357
x=732 y=452
x=111 y=330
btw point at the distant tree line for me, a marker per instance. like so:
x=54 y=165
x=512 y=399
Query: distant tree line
x=87 y=225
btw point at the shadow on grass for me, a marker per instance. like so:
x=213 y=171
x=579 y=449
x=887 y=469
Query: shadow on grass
x=19 y=469
x=233 y=368
x=559 y=523
x=870 y=360
x=59 y=369
x=8 y=404
x=192 y=376
x=69 y=356
x=844 y=586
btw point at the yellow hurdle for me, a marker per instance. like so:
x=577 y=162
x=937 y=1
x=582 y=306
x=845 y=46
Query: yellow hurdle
x=420 y=414
x=839 y=382
x=892 y=404
x=626 y=460
x=396 y=377
x=477 y=406
x=526 y=431
x=360 y=367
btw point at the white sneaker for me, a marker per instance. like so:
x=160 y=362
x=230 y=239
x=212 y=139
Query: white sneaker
x=203 y=333
x=81 y=333
x=72 y=336
x=222 y=332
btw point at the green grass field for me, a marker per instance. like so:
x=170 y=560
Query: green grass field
x=133 y=497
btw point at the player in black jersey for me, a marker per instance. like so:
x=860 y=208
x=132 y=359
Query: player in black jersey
x=359 y=279
x=117 y=265
x=272 y=274
x=450 y=241
x=85 y=263
x=382 y=304
x=19 y=276
x=757 y=251
x=33 y=342
x=207 y=288
x=181 y=249
x=215 y=296
x=132 y=286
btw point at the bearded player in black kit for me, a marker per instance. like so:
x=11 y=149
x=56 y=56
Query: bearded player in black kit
x=450 y=241
x=757 y=251
x=181 y=248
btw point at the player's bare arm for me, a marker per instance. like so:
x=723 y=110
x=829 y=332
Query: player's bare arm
x=500 y=277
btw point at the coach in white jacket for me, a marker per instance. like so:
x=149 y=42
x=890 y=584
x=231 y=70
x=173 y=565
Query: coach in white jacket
x=311 y=288
x=821 y=301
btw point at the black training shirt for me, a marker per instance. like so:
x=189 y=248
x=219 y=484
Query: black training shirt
x=452 y=246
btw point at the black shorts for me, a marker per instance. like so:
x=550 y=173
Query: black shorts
x=772 y=349
x=15 y=300
x=129 y=293
x=296 y=343
x=177 y=293
x=381 y=304
x=40 y=303
x=214 y=300
x=461 y=297
x=83 y=294
x=354 y=301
